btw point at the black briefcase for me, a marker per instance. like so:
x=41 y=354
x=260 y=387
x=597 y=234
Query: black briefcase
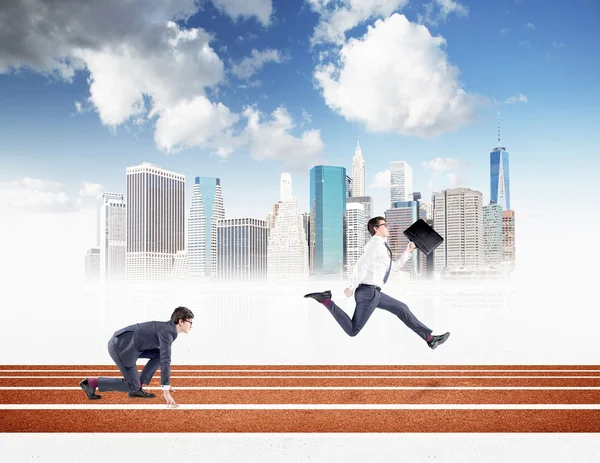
x=425 y=237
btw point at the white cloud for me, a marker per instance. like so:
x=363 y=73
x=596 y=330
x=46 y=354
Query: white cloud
x=43 y=34
x=457 y=181
x=306 y=117
x=91 y=189
x=142 y=65
x=265 y=140
x=441 y=164
x=38 y=195
x=558 y=45
x=397 y=79
x=35 y=195
x=339 y=16
x=123 y=77
x=516 y=99
x=439 y=10
x=245 y=37
x=252 y=84
x=449 y=6
x=446 y=173
x=194 y=123
x=272 y=140
x=248 y=66
x=504 y=31
x=530 y=26
x=261 y=9
x=382 y=180
x=35 y=184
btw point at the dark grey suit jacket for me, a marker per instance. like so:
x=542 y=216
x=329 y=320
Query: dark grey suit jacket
x=135 y=339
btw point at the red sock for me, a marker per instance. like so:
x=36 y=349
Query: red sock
x=93 y=382
x=429 y=338
x=326 y=302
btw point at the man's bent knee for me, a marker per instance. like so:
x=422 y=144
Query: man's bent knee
x=134 y=385
x=355 y=331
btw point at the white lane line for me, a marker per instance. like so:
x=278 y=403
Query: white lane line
x=332 y=377
x=313 y=388
x=399 y=370
x=306 y=407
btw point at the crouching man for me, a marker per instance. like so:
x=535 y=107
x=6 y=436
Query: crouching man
x=151 y=340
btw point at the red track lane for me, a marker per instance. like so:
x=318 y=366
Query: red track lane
x=319 y=396
x=300 y=421
x=328 y=382
x=337 y=373
x=400 y=368
x=311 y=420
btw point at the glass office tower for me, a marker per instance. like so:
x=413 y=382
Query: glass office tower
x=327 y=209
x=212 y=201
x=499 y=178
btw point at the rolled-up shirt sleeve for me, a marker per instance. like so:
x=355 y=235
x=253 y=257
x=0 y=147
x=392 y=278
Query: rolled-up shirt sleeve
x=165 y=340
x=399 y=263
x=361 y=267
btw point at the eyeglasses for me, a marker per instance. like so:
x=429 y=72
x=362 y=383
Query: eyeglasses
x=188 y=322
x=381 y=225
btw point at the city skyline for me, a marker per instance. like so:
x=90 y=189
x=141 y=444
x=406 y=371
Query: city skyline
x=286 y=248
x=274 y=95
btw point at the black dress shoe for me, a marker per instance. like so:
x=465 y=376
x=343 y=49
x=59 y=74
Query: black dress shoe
x=141 y=393
x=89 y=390
x=319 y=297
x=437 y=340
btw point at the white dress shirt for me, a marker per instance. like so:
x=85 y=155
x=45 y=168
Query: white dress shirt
x=372 y=266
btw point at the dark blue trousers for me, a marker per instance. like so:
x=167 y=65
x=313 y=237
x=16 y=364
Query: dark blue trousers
x=132 y=380
x=367 y=300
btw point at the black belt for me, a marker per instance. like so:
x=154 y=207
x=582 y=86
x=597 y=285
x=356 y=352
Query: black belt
x=369 y=286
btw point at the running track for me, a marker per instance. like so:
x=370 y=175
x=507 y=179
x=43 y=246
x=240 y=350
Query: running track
x=288 y=398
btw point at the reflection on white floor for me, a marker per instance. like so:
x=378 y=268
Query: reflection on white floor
x=501 y=322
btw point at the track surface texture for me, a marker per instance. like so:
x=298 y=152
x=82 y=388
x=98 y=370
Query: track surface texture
x=310 y=399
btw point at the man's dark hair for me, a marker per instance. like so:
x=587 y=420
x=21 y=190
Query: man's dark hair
x=181 y=313
x=373 y=222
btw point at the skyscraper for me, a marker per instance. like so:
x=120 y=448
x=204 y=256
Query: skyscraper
x=492 y=235
x=458 y=218
x=285 y=186
x=499 y=175
x=287 y=256
x=242 y=250
x=367 y=203
x=180 y=266
x=401 y=182
x=212 y=202
x=92 y=264
x=327 y=209
x=271 y=216
x=402 y=215
x=358 y=172
x=355 y=237
x=426 y=212
x=112 y=236
x=306 y=224
x=155 y=221
x=197 y=235
x=508 y=238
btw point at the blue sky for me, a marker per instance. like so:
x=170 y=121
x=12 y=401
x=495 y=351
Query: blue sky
x=420 y=81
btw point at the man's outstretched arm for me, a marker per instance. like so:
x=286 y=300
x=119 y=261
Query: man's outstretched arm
x=399 y=263
x=165 y=340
